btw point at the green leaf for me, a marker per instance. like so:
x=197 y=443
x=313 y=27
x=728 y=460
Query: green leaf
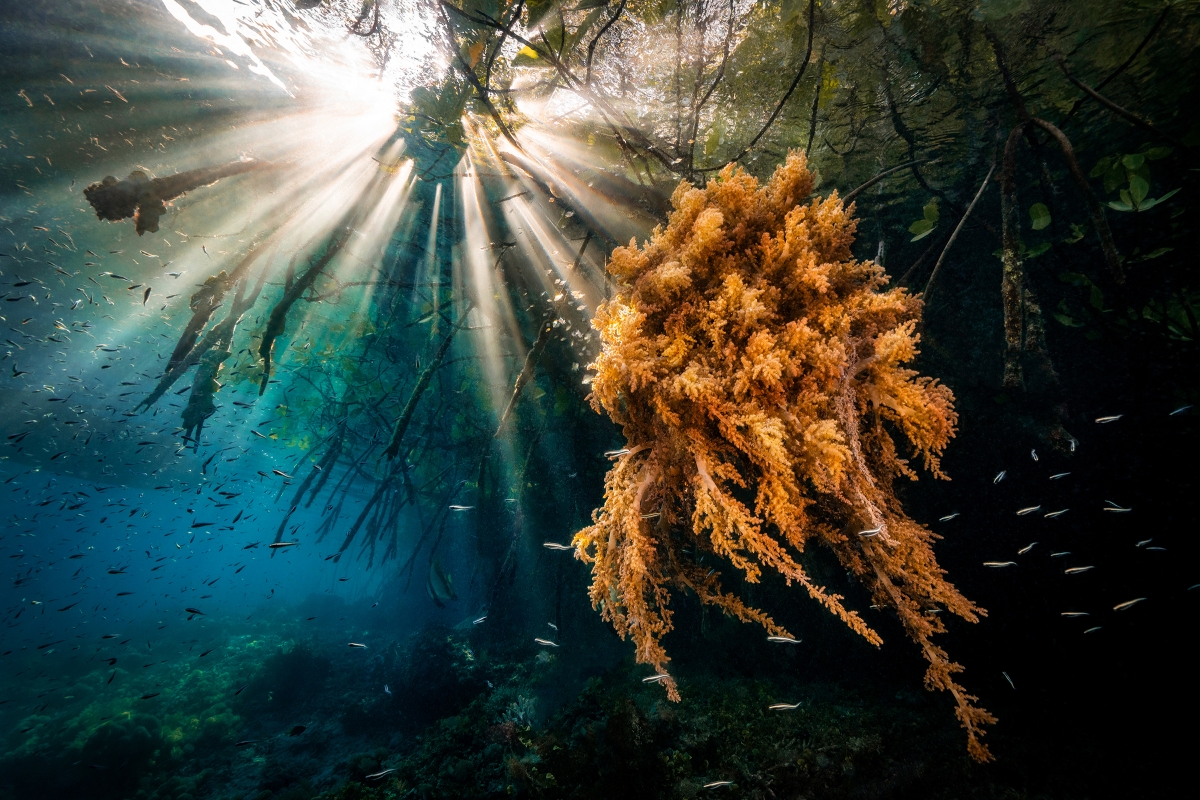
x=1077 y=233
x=1138 y=189
x=1040 y=216
x=1151 y=202
x=921 y=228
x=1102 y=166
x=1096 y=298
x=1075 y=278
x=1070 y=322
x=1133 y=160
x=1117 y=205
x=1155 y=153
x=1114 y=177
x=1037 y=250
x=537 y=10
x=1161 y=251
x=931 y=211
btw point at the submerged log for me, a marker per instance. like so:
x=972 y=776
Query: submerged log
x=145 y=198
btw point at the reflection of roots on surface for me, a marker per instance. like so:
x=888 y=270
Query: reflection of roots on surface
x=758 y=363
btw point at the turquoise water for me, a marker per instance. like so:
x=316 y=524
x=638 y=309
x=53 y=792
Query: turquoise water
x=299 y=548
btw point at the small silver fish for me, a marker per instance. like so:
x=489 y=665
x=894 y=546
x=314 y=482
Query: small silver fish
x=783 y=639
x=386 y=690
x=783 y=707
x=717 y=784
x=1128 y=604
x=872 y=532
x=999 y=563
x=1116 y=509
x=1074 y=613
x=1054 y=514
x=1105 y=420
x=1010 y=683
x=461 y=508
x=1033 y=454
x=1179 y=410
x=617 y=453
x=1076 y=570
x=1155 y=547
x=1144 y=542
x=378 y=775
x=1092 y=630
x=662 y=676
x=356 y=644
x=948 y=517
x=480 y=620
x=556 y=546
x=545 y=643
x=1060 y=554
x=999 y=476
x=653 y=515
x=1026 y=549
x=1022 y=512
x=1059 y=475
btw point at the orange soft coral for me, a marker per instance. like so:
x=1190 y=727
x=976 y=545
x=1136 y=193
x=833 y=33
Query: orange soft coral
x=747 y=354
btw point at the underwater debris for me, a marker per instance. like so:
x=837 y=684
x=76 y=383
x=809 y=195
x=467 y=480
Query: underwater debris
x=145 y=198
x=746 y=353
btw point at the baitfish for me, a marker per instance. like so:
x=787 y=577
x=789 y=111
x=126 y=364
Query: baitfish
x=356 y=644
x=275 y=545
x=783 y=707
x=1106 y=420
x=556 y=546
x=1022 y=512
x=999 y=476
x=1128 y=604
x=1054 y=514
x=783 y=639
x=545 y=643
x=948 y=517
x=378 y=775
x=999 y=563
x=662 y=676
x=1076 y=570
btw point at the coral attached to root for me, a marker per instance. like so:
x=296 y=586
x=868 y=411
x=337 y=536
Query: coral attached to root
x=758 y=372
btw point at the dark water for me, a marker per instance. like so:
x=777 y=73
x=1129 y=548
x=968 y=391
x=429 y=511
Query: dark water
x=155 y=645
